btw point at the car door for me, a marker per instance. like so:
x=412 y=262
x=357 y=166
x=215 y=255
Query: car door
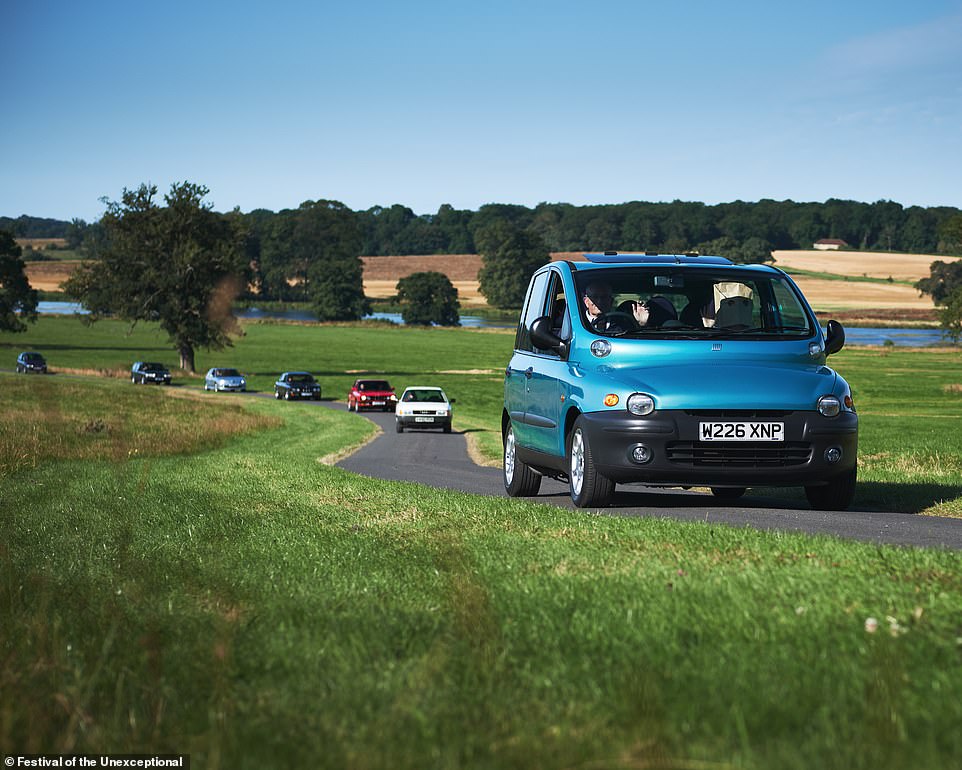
x=543 y=395
x=521 y=368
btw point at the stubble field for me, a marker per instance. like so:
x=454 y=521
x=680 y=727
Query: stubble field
x=832 y=281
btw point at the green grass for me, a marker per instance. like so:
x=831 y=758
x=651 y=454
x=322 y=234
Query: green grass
x=256 y=608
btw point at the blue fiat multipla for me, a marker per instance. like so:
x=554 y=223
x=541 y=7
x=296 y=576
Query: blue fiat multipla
x=675 y=370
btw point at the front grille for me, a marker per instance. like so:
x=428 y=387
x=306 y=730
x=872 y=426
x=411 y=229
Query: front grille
x=716 y=455
x=738 y=414
x=424 y=411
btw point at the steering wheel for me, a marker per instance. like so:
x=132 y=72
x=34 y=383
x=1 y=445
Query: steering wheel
x=616 y=319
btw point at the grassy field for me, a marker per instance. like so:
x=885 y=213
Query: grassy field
x=233 y=598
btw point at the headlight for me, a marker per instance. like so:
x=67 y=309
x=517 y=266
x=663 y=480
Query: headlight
x=640 y=404
x=829 y=406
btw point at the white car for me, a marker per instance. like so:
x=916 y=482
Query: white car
x=423 y=406
x=224 y=379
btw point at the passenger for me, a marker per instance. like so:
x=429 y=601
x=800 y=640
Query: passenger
x=655 y=312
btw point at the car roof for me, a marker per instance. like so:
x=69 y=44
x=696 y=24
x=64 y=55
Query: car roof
x=295 y=372
x=422 y=387
x=649 y=258
x=609 y=260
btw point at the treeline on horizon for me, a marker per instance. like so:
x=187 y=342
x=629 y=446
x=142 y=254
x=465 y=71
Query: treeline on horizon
x=637 y=226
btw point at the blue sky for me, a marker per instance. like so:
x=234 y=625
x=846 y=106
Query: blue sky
x=424 y=103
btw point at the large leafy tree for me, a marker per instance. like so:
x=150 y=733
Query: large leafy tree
x=18 y=302
x=510 y=255
x=180 y=265
x=428 y=298
x=944 y=285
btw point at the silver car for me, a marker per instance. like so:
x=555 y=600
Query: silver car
x=224 y=379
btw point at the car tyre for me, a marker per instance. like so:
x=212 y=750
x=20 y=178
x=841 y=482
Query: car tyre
x=728 y=493
x=398 y=427
x=520 y=479
x=588 y=487
x=277 y=393
x=287 y=395
x=447 y=427
x=837 y=495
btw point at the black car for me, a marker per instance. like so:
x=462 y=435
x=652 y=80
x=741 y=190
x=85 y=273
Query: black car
x=31 y=362
x=143 y=372
x=297 y=385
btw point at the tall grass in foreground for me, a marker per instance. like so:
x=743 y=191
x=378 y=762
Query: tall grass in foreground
x=256 y=608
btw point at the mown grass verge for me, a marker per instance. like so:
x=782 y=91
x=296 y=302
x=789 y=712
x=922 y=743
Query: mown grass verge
x=256 y=608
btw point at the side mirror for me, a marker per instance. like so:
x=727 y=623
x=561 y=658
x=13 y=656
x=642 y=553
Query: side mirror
x=544 y=338
x=835 y=338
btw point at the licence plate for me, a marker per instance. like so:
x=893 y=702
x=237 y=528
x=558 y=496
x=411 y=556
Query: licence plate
x=423 y=419
x=741 y=431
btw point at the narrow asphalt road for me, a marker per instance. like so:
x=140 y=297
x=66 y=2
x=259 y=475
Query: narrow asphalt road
x=441 y=460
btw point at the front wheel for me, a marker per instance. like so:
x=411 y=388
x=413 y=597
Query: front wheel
x=520 y=480
x=588 y=488
x=287 y=395
x=398 y=427
x=837 y=495
x=277 y=393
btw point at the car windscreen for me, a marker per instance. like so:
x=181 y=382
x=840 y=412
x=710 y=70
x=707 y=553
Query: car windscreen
x=425 y=395
x=226 y=373
x=666 y=301
x=300 y=378
x=33 y=358
x=154 y=368
x=373 y=385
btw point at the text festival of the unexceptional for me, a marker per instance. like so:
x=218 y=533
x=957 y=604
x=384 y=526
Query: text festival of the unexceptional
x=98 y=761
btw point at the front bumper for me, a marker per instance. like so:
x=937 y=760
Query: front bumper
x=424 y=420
x=679 y=458
x=309 y=394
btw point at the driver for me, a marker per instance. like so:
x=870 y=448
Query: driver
x=597 y=299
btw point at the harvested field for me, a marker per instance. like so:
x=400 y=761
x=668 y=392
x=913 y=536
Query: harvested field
x=38 y=244
x=854 y=295
x=47 y=276
x=457 y=267
x=468 y=293
x=900 y=267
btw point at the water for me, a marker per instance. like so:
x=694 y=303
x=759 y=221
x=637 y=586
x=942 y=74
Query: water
x=913 y=338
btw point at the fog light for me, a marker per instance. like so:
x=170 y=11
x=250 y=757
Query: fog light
x=833 y=454
x=640 y=454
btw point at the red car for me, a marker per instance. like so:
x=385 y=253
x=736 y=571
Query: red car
x=371 y=394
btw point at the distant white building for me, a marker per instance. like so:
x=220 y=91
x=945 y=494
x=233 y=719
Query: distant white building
x=829 y=244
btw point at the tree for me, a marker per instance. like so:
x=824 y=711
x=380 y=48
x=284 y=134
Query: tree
x=753 y=251
x=180 y=265
x=510 y=255
x=18 y=302
x=950 y=315
x=944 y=284
x=428 y=298
x=950 y=235
x=944 y=278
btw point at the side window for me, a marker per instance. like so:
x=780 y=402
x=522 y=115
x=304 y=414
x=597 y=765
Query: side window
x=534 y=309
x=791 y=313
x=558 y=310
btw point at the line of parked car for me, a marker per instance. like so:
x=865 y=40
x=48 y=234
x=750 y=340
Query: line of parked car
x=420 y=406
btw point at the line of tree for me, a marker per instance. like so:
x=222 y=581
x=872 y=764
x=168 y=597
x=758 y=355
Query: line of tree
x=668 y=227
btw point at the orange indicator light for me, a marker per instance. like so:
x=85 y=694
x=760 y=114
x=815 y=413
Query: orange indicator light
x=611 y=400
